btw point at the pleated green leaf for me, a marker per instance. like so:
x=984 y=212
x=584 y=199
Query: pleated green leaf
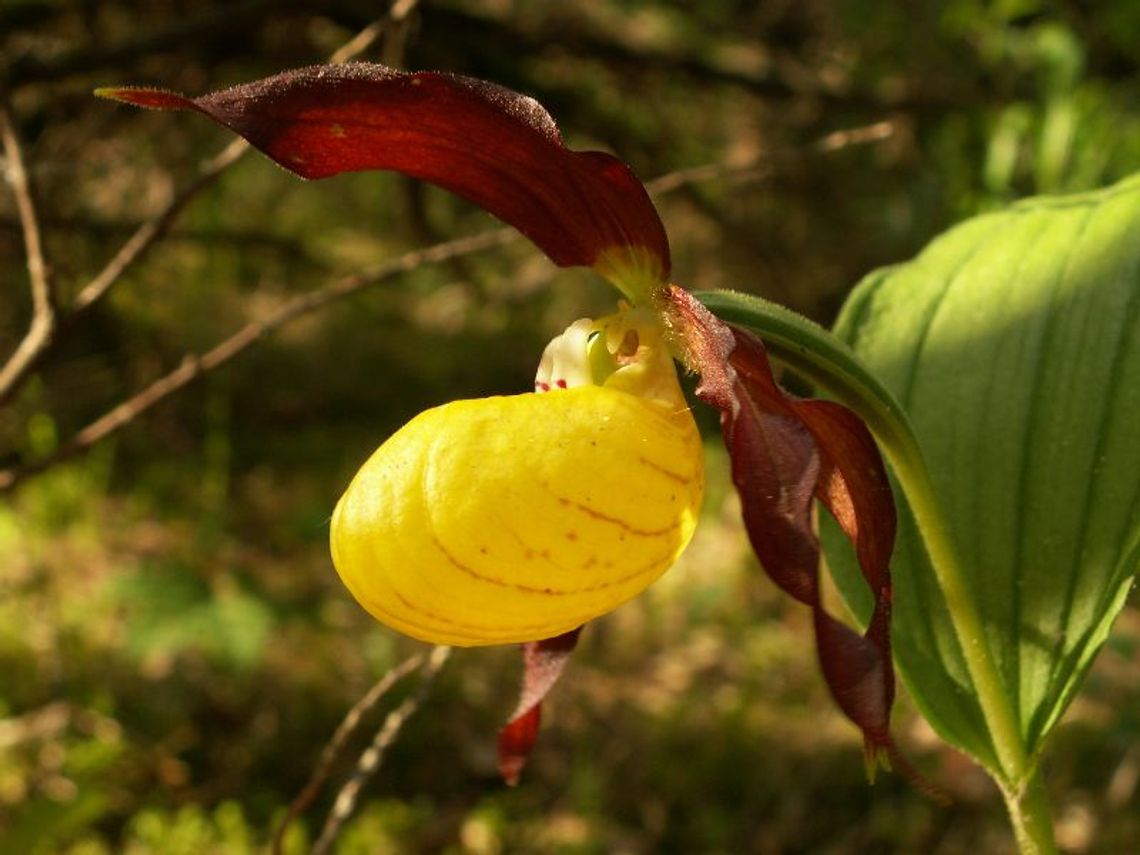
x=1013 y=344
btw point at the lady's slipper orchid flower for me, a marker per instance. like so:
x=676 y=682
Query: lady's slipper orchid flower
x=515 y=519
x=518 y=519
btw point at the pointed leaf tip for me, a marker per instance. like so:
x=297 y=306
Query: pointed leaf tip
x=494 y=147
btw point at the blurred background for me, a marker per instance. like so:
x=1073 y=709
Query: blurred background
x=175 y=648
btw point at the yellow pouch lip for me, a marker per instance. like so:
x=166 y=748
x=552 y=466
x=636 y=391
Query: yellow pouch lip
x=493 y=563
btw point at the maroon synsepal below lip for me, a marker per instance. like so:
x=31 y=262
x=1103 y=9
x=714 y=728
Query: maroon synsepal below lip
x=490 y=145
x=543 y=663
x=785 y=452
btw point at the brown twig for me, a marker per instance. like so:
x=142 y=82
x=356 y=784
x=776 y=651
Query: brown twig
x=396 y=41
x=742 y=173
x=218 y=22
x=41 y=329
x=739 y=173
x=46 y=315
x=149 y=232
x=335 y=747
x=110 y=228
x=370 y=760
x=194 y=366
x=861 y=135
x=393 y=24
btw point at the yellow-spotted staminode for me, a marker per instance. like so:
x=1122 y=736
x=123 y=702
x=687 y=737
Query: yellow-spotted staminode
x=519 y=518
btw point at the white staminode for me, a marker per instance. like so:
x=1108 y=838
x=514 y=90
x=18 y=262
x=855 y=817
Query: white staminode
x=625 y=351
x=565 y=362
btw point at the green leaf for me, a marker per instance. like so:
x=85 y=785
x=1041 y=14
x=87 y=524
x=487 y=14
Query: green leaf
x=1013 y=344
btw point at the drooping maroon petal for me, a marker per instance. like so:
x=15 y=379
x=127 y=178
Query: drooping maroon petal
x=494 y=147
x=543 y=663
x=785 y=451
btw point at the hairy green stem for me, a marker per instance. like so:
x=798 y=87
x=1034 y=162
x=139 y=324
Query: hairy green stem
x=819 y=357
x=1029 y=815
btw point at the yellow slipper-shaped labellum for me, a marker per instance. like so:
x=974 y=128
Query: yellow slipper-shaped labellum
x=518 y=518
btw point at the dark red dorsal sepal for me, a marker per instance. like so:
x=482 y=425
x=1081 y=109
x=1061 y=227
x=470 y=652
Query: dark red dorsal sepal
x=490 y=145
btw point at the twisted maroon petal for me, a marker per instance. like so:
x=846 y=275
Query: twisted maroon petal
x=543 y=663
x=494 y=147
x=785 y=452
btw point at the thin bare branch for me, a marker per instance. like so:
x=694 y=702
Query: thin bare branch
x=41 y=329
x=402 y=9
x=393 y=22
x=149 y=232
x=46 y=316
x=396 y=39
x=216 y=22
x=335 y=747
x=194 y=366
x=739 y=173
x=755 y=170
x=847 y=137
x=370 y=760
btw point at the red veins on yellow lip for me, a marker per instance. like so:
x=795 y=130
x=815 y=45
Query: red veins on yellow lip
x=518 y=518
